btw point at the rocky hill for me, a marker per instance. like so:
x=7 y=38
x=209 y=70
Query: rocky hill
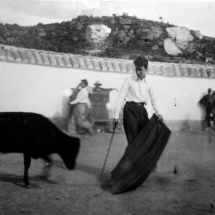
x=122 y=37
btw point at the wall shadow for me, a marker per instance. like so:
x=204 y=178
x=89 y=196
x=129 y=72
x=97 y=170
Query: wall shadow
x=61 y=120
x=185 y=126
x=202 y=113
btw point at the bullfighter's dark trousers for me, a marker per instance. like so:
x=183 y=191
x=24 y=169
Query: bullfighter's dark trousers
x=135 y=116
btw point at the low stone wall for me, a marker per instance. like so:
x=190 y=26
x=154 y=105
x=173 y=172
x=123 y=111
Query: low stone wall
x=41 y=88
x=54 y=59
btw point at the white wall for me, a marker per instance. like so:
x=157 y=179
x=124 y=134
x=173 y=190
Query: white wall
x=42 y=89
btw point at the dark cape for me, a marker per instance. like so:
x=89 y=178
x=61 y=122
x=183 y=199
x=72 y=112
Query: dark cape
x=140 y=157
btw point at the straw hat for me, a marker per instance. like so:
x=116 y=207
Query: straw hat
x=97 y=83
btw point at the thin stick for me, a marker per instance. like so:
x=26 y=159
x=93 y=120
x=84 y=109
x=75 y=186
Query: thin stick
x=114 y=128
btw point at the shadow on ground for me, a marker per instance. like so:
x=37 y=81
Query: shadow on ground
x=17 y=180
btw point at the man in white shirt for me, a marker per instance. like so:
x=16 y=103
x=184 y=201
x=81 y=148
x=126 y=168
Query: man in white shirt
x=82 y=104
x=134 y=93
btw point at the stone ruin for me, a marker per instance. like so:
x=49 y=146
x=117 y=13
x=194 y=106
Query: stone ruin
x=96 y=36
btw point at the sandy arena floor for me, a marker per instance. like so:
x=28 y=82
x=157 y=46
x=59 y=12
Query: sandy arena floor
x=189 y=191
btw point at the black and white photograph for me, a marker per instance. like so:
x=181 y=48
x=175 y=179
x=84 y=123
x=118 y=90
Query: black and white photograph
x=107 y=107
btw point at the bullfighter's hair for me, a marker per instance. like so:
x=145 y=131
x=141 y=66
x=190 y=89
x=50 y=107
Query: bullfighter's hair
x=141 y=61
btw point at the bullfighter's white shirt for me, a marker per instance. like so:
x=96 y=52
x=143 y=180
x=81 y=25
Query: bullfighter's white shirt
x=135 y=90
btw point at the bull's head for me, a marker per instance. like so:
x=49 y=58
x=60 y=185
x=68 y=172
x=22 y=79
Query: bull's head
x=69 y=151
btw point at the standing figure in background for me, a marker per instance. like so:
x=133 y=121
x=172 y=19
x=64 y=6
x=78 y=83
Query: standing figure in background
x=212 y=103
x=206 y=102
x=98 y=87
x=79 y=117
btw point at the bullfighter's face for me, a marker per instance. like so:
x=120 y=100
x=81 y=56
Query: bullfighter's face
x=141 y=72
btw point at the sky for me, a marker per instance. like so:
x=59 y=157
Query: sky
x=193 y=14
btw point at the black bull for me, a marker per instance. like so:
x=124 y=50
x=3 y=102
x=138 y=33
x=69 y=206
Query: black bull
x=36 y=137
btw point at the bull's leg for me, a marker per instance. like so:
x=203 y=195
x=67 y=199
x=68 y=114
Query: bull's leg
x=27 y=163
x=47 y=167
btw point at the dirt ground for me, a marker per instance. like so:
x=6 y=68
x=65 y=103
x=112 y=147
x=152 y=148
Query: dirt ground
x=189 y=191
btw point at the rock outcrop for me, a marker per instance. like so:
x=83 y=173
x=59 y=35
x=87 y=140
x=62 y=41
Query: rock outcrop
x=171 y=48
x=96 y=36
x=181 y=36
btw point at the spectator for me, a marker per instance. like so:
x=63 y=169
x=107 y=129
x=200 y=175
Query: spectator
x=79 y=117
x=98 y=87
x=212 y=103
x=205 y=101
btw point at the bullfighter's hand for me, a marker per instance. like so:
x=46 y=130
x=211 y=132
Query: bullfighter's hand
x=115 y=122
x=160 y=117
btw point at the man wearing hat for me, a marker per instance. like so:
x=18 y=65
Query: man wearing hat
x=206 y=102
x=98 y=87
x=82 y=104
